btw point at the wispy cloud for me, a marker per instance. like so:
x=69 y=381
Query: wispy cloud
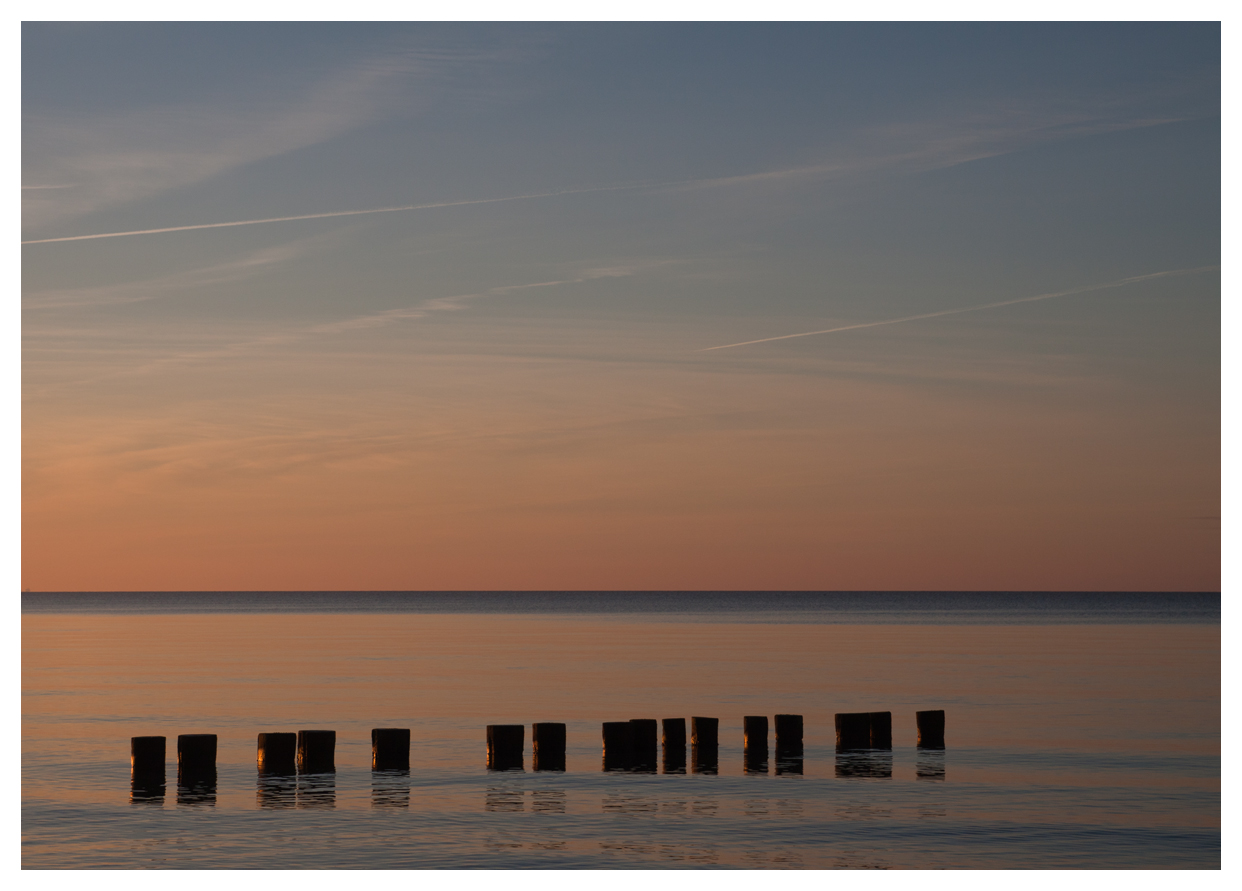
x=336 y=213
x=949 y=312
x=120 y=158
x=163 y=286
x=292 y=335
x=894 y=149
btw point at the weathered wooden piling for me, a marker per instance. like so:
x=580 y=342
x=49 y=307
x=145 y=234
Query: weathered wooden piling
x=506 y=745
x=705 y=732
x=196 y=754
x=548 y=746
x=673 y=733
x=278 y=753
x=618 y=745
x=146 y=757
x=644 y=740
x=146 y=769
x=853 y=730
x=316 y=751
x=390 y=748
x=673 y=745
x=755 y=734
x=788 y=735
x=931 y=728
x=881 y=730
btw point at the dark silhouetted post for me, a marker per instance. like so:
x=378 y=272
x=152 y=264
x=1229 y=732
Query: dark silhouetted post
x=644 y=735
x=705 y=732
x=853 y=730
x=931 y=728
x=316 y=751
x=196 y=754
x=755 y=733
x=881 y=730
x=146 y=756
x=196 y=768
x=788 y=735
x=673 y=738
x=506 y=746
x=390 y=748
x=548 y=744
x=278 y=753
x=146 y=769
x=704 y=745
x=755 y=743
x=618 y=745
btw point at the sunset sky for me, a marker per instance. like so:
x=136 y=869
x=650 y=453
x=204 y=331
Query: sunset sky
x=504 y=380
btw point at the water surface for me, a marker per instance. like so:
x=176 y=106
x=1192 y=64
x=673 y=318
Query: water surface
x=1082 y=731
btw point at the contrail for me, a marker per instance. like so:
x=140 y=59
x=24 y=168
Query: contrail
x=344 y=213
x=949 y=312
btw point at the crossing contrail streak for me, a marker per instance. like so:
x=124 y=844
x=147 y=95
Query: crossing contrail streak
x=344 y=213
x=949 y=312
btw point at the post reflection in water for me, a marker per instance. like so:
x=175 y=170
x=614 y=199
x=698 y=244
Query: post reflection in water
x=316 y=790
x=196 y=788
x=865 y=763
x=276 y=788
x=547 y=801
x=147 y=790
x=390 y=788
x=504 y=800
x=929 y=763
x=755 y=761
x=704 y=759
x=788 y=764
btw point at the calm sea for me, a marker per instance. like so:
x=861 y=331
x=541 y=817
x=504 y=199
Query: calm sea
x=1082 y=730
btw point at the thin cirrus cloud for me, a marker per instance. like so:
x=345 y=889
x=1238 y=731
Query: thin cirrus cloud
x=950 y=312
x=915 y=148
x=164 y=286
x=420 y=310
x=122 y=158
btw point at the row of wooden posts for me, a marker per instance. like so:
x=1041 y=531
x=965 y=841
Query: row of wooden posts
x=626 y=743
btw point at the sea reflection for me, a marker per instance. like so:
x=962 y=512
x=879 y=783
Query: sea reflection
x=929 y=764
x=504 y=800
x=547 y=801
x=197 y=788
x=276 y=789
x=390 y=788
x=704 y=759
x=755 y=762
x=788 y=765
x=147 y=790
x=316 y=790
x=865 y=763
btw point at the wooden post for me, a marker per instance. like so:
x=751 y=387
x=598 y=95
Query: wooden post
x=881 y=730
x=278 y=753
x=931 y=728
x=705 y=732
x=146 y=769
x=673 y=742
x=755 y=734
x=618 y=745
x=788 y=735
x=146 y=757
x=853 y=730
x=506 y=746
x=644 y=736
x=548 y=745
x=390 y=748
x=316 y=751
x=196 y=754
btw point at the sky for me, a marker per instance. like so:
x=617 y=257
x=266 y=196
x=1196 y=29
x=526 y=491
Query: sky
x=468 y=306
